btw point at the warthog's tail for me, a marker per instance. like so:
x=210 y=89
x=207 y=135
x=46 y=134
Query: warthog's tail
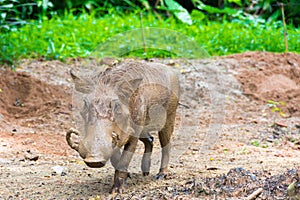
x=72 y=144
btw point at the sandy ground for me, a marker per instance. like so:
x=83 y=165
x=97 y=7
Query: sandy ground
x=237 y=133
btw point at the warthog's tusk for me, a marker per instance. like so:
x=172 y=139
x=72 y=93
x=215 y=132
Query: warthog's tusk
x=68 y=137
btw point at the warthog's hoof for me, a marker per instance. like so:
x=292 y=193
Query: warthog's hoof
x=119 y=186
x=119 y=182
x=146 y=173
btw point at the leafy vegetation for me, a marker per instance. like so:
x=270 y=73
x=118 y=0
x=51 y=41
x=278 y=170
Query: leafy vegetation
x=258 y=144
x=73 y=36
x=276 y=107
x=18 y=12
x=56 y=30
x=255 y=143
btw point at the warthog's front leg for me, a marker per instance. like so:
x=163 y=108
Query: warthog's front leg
x=115 y=158
x=121 y=173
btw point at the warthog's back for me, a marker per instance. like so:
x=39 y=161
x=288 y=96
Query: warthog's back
x=151 y=73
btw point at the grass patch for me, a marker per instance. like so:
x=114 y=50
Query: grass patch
x=72 y=36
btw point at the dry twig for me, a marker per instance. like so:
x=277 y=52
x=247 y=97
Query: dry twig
x=255 y=194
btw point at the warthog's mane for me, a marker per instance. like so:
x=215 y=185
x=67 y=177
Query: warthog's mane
x=150 y=73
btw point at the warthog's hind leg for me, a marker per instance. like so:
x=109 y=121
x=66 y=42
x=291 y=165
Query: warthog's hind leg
x=165 y=139
x=146 y=160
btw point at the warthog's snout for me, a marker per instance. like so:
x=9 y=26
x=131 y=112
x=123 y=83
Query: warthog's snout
x=94 y=163
x=89 y=160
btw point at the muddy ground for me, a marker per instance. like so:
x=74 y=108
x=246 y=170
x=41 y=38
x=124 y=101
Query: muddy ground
x=238 y=132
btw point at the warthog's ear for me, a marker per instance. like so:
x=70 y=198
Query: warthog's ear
x=126 y=88
x=135 y=83
x=82 y=85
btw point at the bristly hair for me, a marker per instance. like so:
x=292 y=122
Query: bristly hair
x=130 y=70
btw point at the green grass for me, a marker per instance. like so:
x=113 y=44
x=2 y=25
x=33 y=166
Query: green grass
x=72 y=36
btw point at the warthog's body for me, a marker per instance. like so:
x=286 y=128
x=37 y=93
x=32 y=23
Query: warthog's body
x=122 y=105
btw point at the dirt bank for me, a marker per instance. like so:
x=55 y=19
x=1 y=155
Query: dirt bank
x=228 y=143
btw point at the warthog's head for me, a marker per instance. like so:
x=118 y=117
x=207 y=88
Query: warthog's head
x=106 y=117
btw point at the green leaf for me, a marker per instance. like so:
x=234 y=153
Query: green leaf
x=198 y=15
x=265 y=146
x=274 y=16
x=291 y=188
x=131 y=4
x=2 y=7
x=267 y=6
x=180 y=12
x=51 y=47
x=255 y=143
x=282 y=114
x=3 y=15
x=238 y=2
x=275 y=109
x=214 y=10
x=282 y=103
x=272 y=102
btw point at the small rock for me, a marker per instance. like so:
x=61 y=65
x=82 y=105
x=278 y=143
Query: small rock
x=59 y=170
x=170 y=189
x=18 y=103
x=28 y=141
x=31 y=157
x=171 y=63
x=4 y=161
x=282 y=124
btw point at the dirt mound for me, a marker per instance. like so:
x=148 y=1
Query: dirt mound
x=25 y=97
x=267 y=76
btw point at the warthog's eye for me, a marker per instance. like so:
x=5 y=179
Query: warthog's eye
x=113 y=109
x=115 y=106
x=85 y=102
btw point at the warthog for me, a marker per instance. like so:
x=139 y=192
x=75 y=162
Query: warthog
x=122 y=104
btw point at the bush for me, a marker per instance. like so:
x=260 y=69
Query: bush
x=72 y=36
x=19 y=12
